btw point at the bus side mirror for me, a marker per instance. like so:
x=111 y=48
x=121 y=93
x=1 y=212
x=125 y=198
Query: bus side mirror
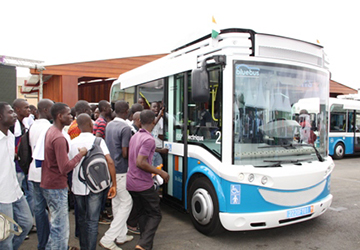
x=200 y=84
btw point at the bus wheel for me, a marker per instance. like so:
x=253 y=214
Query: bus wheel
x=204 y=207
x=339 y=151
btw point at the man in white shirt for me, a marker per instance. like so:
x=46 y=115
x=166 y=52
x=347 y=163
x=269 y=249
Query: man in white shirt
x=89 y=203
x=12 y=200
x=38 y=127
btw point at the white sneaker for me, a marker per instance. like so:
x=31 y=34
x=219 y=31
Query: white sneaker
x=127 y=239
x=111 y=246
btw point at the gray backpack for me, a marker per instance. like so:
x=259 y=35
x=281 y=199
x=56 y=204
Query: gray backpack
x=94 y=169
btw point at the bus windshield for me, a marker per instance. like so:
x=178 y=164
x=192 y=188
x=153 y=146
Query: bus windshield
x=276 y=108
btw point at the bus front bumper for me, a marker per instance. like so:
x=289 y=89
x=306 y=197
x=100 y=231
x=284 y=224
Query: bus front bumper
x=263 y=220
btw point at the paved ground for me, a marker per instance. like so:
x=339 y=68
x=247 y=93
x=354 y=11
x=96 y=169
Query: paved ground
x=338 y=228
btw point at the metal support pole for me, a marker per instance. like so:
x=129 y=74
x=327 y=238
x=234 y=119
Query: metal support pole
x=41 y=86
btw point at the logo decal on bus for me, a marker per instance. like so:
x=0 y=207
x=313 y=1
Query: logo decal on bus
x=235 y=194
x=244 y=70
x=195 y=138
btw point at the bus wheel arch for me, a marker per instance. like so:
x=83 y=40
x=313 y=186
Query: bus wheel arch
x=339 y=150
x=203 y=205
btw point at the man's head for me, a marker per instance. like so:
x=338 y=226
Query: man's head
x=7 y=115
x=85 y=123
x=21 y=108
x=61 y=114
x=81 y=107
x=33 y=111
x=135 y=108
x=96 y=113
x=155 y=107
x=44 y=107
x=136 y=119
x=141 y=101
x=121 y=109
x=147 y=117
x=105 y=108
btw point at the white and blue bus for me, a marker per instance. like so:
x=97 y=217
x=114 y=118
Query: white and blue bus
x=238 y=157
x=344 y=127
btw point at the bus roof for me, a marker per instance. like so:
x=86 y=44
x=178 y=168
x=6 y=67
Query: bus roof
x=242 y=42
x=347 y=104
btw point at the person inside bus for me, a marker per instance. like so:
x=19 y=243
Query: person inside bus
x=307 y=136
x=205 y=122
x=143 y=102
x=158 y=135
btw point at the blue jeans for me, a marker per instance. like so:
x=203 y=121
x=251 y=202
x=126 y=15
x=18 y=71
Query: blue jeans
x=89 y=207
x=28 y=188
x=18 y=210
x=57 y=201
x=41 y=216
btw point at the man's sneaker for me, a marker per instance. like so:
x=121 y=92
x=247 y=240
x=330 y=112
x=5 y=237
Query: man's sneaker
x=111 y=246
x=127 y=239
x=134 y=230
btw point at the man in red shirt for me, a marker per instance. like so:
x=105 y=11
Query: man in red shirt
x=101 y=122
x=55 y=167
x=80 y=108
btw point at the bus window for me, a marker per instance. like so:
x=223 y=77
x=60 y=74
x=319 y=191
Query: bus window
x=337 y=118
x=117 y=94
x=152 y=92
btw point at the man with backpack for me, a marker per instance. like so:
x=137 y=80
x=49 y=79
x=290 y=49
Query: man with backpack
x=12 y=200
x=117 y=137
x=89 y=201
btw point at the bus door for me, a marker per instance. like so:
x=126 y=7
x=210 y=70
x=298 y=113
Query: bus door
x=175 y=134
x=193 y=123
x=356 y=129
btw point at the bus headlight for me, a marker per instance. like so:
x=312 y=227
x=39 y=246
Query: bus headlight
x=251 y=177
x=241 y=176
x=264 y=180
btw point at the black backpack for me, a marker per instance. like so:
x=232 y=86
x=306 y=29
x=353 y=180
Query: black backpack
x=94 y=169
x=24 y=152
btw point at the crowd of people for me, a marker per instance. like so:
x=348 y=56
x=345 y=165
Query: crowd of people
x=59 y=142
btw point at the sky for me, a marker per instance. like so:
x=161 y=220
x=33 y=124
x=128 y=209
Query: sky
x=59 y=32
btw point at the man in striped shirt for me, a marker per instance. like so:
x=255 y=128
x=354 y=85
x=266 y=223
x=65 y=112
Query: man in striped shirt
x=101 y=122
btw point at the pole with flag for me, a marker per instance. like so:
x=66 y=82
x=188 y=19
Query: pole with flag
x=215 y=32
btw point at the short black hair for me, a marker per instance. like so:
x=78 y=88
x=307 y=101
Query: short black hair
x=136 y=107
x=121 y=107
x=16 y=102
x=2 y=107
x=57 y=108
x=102 y=105
x=147 y=117
x=82 y=120
x=81 y=106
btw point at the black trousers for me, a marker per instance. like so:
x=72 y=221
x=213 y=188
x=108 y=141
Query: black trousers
x=147 y=204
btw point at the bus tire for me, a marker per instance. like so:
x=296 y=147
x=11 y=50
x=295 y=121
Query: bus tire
x=339 y=151
x=204 y=207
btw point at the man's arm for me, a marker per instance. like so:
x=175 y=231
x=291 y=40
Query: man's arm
x=65 y=165
x=142 y=163
x=111 y=166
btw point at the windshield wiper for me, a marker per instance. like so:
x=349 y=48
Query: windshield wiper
x=277 y=163
x=291 y=146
